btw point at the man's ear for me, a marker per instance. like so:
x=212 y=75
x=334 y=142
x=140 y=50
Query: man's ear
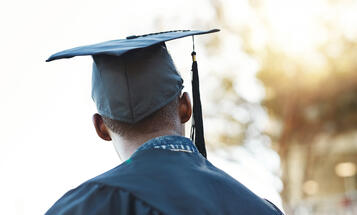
x=100 y=127
x=185 y=109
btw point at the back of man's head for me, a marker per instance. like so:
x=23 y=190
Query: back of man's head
x=165 y=118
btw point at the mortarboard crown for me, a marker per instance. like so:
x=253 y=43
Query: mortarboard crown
x=134 y=77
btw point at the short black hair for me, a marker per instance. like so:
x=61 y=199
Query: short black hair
x=160 y=119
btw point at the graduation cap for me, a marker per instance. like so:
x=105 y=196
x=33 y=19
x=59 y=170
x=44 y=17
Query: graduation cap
x=134 y=77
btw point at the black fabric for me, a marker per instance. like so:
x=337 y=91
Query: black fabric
x=159 y=181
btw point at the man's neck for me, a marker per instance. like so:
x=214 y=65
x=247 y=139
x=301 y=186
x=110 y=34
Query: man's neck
x=126 y=146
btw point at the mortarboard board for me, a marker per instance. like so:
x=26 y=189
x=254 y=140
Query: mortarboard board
x=134 y=77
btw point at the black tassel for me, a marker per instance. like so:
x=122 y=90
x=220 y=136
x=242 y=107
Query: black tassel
x=197 y=134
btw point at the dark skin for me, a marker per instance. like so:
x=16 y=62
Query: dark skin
x=126 y=146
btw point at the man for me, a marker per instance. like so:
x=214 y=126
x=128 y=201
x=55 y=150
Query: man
x=142 y=110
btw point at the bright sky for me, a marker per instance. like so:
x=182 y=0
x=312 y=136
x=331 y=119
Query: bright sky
x=47 y=142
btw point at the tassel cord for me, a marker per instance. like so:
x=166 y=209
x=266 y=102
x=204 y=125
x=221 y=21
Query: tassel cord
x=197 y=133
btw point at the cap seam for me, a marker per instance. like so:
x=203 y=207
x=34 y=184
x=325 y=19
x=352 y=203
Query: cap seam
x=129 y=92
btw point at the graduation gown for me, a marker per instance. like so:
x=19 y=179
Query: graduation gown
x=166 y=176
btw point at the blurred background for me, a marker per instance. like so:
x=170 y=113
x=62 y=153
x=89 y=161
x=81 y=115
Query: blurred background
x=278 y=87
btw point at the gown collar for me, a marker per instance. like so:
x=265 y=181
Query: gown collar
x=172 y=143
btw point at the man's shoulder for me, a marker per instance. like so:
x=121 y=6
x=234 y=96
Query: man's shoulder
x=162 y=176
x=93 y=197
x=157 y=178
